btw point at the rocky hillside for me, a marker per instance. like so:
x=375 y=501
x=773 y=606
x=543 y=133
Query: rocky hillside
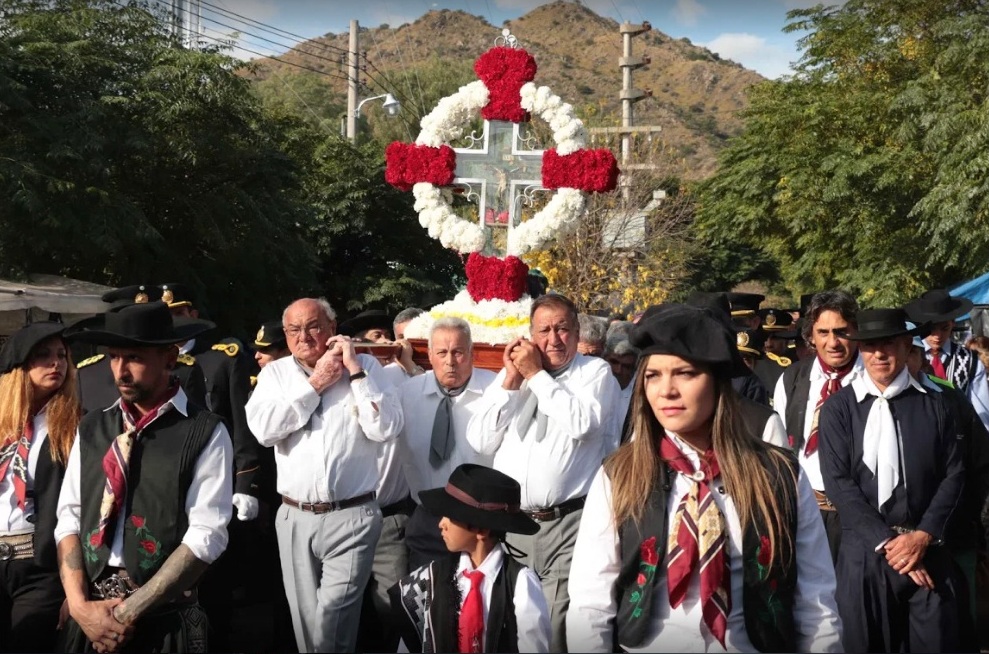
x=695 y=94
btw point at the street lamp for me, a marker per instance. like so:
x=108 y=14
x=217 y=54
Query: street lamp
x=390 y=105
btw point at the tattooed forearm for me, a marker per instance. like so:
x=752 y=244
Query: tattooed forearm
x=179 y=573
x=71 y=568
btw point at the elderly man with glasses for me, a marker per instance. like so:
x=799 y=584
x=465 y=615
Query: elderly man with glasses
x=324 y=410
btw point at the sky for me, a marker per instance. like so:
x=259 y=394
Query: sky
x=749 y=32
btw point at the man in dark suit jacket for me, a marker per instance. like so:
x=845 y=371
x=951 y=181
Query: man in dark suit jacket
x=893 y=468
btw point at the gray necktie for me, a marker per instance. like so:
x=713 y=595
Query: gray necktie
x=441 y=442
x=531 y=413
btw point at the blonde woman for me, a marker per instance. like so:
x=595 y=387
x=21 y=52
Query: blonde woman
x=39 y=413
x=696 y=535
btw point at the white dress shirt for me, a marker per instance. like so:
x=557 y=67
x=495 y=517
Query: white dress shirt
x=621 y=410
x=531 y=610
x=326 y=446
x=208 y=504
x=812 y=464
x=597 y=556
x=419 y=397
x=392 y=486
x=579 y=406
x=978 y=387
x=13 y=519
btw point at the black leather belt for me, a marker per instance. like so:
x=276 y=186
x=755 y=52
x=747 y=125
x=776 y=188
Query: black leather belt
x=404 y=506
x=327 y=507
x=558 y=511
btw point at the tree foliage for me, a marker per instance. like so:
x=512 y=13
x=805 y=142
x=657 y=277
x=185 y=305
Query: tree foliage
x=126 y=158
x=865 y=169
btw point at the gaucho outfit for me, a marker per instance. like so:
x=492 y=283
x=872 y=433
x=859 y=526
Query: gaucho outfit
x=175 y=495
x=621 y=597
x=881 y=609
x=30 y=590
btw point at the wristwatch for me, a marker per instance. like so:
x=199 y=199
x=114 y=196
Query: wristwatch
x=358 y=375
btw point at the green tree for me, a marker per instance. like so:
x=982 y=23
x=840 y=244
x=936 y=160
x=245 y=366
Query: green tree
x=304 y=94
x=372 y=250
x=848 y=168
x=127 y=159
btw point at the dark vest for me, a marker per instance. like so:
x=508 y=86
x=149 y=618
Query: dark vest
x=47 y=485
x=767 y=595
x=961 y=367
x=796 y=385
x=161 y=467
x=755 y=416
x=502 y=630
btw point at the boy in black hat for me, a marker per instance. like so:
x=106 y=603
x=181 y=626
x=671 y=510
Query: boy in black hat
x=442 y=605
x=948 y=359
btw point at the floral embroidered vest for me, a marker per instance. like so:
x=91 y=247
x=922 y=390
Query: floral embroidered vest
x=767 y=595
x=161 y=468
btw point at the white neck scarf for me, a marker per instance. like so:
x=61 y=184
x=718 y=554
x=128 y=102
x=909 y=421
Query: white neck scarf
x=880 y=445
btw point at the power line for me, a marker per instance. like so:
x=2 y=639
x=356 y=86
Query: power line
x=402 y=97
x=617 y=10
x=394 y=87
x=230 y=43
x=269 y=28
x=277 y=43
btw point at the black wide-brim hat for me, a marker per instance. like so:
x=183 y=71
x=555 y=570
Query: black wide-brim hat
x=364 y=321
x=481 y=497
x=17 y=349
x=880 y=324
x=137 y=325
x=690 y=333
x=937 y=306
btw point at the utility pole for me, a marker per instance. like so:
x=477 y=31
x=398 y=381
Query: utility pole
x=630 y=95
x=353 y=75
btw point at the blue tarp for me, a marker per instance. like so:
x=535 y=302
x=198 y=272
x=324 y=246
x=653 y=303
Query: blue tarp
x=975 y=289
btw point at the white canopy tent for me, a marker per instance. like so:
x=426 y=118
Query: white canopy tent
x=42 y=295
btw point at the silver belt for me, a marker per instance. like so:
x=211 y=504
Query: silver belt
x=19 y=546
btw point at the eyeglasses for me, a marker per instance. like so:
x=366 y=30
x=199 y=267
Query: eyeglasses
x=295 y=331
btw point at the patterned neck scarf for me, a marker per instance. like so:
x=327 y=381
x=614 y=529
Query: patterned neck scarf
x=698 y=540
x=831 y=386
x=116 y=461
x=14 y=456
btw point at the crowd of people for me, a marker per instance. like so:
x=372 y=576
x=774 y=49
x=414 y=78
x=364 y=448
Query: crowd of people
x=714 y=476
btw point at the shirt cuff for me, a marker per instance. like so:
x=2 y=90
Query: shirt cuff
x=541 y=382
x=206 y=544
x=880 y=546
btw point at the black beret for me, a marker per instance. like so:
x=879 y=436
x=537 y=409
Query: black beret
x=690 y=333
x=18 y=347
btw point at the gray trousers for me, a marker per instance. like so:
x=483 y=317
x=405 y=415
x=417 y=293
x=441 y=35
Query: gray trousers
x=549 y=553
x=326 y=562
x=391 y=563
